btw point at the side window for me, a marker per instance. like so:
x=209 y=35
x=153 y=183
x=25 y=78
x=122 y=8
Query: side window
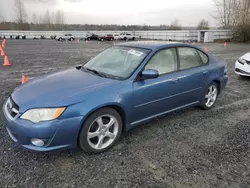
x=188 y=58
x=203 y=57
x=164 y=61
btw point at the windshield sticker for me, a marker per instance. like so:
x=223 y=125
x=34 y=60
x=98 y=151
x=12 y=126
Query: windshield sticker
x=136 y=53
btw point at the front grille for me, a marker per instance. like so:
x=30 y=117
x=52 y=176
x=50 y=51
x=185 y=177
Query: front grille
x=12 y=108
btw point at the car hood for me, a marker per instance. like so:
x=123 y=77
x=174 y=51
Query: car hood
x=246 y=56
x=54 y=89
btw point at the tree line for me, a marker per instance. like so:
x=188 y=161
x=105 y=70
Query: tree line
x=47 y=21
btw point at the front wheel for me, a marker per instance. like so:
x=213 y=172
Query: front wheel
x=210 y=96
x=100 y=131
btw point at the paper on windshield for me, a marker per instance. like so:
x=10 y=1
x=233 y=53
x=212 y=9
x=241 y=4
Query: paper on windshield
x=136 y=53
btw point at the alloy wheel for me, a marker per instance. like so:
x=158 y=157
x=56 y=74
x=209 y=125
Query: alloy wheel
x=211 y=96
x=102 y=132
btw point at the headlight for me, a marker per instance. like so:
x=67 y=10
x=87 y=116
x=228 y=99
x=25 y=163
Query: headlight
x=42 y=114
x=242 y=61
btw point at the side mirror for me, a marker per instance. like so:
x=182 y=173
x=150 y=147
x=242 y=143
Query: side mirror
x=149 y=74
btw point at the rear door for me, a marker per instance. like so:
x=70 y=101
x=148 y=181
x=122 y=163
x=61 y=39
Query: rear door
x=193 y=74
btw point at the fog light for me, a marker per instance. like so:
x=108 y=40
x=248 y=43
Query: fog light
x=37 y=142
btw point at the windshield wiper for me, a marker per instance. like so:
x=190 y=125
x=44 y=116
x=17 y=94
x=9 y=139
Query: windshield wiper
x=95 y=72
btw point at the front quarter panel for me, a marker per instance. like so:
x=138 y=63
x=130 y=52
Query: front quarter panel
x=119 y=95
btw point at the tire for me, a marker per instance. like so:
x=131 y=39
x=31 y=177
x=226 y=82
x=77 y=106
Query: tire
x=125 y=38
x=92 y=132
x=60 y=39
x=71 y=39
x=210 y=94
x=133 y=38
x=111 y=39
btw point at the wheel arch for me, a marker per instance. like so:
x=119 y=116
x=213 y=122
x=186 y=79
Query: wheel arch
x=218 y=84
x=116 y=106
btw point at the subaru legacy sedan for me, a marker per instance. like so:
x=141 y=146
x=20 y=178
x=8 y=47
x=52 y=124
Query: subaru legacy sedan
x=124 y=86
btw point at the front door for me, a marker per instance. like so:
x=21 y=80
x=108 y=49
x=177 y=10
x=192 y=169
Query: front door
x=155 y=96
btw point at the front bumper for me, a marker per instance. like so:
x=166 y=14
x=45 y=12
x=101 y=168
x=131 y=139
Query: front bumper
x=57 y=134
x=243 y=70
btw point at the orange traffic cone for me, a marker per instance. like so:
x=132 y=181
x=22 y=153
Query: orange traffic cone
x=3 y=43
x=1 y=52
x=6 y=61
x=206 y=49
x=24 y=79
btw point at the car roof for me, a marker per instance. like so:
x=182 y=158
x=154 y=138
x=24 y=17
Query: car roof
x=152 y=44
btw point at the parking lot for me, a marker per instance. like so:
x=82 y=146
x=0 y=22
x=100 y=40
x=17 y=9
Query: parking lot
x=188 y=148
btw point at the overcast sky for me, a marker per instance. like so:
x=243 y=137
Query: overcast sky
x=153 y=12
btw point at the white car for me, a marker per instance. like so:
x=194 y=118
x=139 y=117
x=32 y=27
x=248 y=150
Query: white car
x=69 y=37
x=116 y=37
x=126 y=36
x=242 y=65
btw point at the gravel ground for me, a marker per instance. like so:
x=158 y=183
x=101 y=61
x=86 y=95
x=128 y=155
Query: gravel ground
x=188 y=148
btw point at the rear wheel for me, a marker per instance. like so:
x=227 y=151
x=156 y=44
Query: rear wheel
x=101 y=131
x=210 y=96
x=60 y=39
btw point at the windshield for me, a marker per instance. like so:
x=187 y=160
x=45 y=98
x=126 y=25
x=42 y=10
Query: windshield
x=117 y=61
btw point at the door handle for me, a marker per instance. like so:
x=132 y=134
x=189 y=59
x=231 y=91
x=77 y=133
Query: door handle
x=205 y=73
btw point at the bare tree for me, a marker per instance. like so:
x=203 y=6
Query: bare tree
x=53 y=18
x=47 y=20
x=203 y=25
x=21 y=14
x=1 y=14
x=175 y=25
x=60 y=19
x=235 y=14
x=34 y=19
x=1 y=17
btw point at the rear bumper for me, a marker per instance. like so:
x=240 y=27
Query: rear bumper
x=57 y=134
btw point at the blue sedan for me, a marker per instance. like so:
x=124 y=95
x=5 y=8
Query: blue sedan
x=124 y=86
